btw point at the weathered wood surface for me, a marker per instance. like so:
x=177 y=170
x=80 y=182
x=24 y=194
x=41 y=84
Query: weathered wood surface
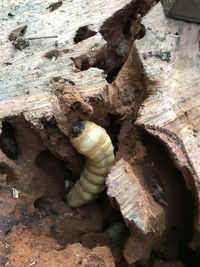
x=183 y=9
x=25 y=75
x=170 y=54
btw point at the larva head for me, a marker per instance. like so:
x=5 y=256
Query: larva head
x=85 y=136
x=77 y=129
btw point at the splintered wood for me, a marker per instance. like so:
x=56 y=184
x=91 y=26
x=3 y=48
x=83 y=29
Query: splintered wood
x=170 y=54
x=26 y=74
x=136 y=204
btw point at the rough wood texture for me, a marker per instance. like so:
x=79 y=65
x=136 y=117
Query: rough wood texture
x=55 y=81
x=75 y=27
x=183 y=9
x=44 y=88
x=170 y=53
x=136 y=250
x=136 y=204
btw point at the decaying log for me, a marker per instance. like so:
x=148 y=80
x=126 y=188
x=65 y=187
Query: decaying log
x=59 y=78
x=26 y=74
x=53 y=73
x=69 y=61
x=71 y=35
x=170 y=54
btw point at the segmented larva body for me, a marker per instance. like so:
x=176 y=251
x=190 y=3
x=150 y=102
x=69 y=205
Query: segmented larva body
x=116 y=232
x=94 y=143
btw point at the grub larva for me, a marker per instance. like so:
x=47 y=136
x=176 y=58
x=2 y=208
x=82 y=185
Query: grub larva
x=94 y=143
x=116 y=232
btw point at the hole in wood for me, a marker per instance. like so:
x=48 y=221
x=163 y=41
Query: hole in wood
x=83 y=33
x=8 y=142
x=50 y=164
x=159 y=172
x=113 y=130
x=56 y=170
x=107 y=60
x=44 y=205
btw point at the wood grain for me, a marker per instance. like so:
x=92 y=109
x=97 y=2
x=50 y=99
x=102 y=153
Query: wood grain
x=170 y=54
x=25 y=75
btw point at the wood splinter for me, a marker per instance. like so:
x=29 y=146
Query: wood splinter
x=136 y=204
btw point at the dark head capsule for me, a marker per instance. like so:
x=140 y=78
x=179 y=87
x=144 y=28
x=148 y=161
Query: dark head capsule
x=77 y=129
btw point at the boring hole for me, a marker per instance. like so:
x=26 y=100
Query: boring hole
x=50 y=164
x=57 y=172
x=113 y=130
x=83 y=33
x=48 y=122
x=159 y=172
x=84 y=64
x=108 y=61
x=8 y=142
x=43 y=204
x=112 y=73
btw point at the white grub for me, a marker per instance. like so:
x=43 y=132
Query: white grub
x=93 y=142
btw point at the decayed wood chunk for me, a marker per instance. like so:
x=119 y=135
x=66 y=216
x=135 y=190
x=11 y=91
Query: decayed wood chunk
x=170 y=54
x=60 y=44
x=58 y=78
x=27 y=249
x=137 y=206
x=136 y=250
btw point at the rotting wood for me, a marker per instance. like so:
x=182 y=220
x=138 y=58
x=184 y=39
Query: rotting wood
x=170 y=54
x=58 y=80
x=137 y=206
x=136 y=250
x=26 y=75
x=57 y=77
x=39 y=83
